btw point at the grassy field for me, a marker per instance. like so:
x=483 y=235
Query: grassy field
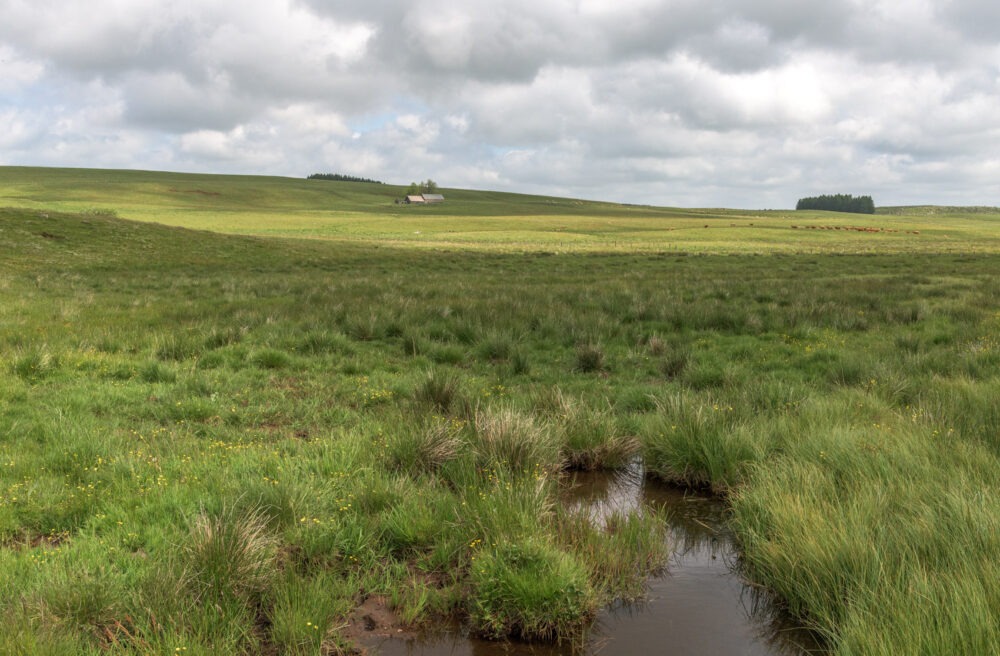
x=227 y=443
x=483 y=221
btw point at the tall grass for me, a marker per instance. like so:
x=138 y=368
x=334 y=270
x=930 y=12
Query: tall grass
x=506 y=439
x=229 y=555
x=516 y=580
x=229 y=441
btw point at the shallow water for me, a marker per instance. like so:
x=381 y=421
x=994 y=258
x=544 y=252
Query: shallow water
x=698 y=606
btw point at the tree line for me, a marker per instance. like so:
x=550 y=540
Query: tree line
x=340 y=177
x=428 y=186
x=838 y=203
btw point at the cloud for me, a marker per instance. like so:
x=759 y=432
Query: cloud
x=16 y=73
x=171 y=102
x=976 y=19
x=728 y=102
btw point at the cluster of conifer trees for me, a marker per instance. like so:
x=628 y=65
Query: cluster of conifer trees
x=339 y=177
x=838 y=203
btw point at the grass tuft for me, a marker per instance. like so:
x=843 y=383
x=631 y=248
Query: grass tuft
x=155 y=372
x=425 y=449
x=229 y=556
x=530 y=590
x=507 y=439
x=439 y=391
x=35 y=365
x=589 y=358
x=699 y=443
x=271 y=359
x=590 y=437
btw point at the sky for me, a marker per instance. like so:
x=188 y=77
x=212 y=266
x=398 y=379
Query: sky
x=692 y=103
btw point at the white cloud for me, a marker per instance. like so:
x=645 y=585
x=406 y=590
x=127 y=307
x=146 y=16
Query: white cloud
x=17 y=131
x=725 y=102
x=16 y=72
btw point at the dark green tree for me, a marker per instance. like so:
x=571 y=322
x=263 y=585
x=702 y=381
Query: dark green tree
x=838 y=203
x=340 y=177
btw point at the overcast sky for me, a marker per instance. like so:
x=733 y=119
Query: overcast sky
x=706 y=103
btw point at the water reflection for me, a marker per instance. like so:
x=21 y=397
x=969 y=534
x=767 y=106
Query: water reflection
x=699 y=606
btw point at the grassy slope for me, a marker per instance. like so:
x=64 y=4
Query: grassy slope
x=502 y=221
x=160 y=382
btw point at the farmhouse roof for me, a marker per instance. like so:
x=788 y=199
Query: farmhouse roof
x=415 y=199
x=433 y=198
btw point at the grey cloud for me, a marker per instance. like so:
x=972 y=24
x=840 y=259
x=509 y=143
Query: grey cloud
x=88 y=40
x=737 y=47
x=201 y=44
x=170 y=102
x=973 y=18
x=514 y=40
x=724 y=102
x=822 y=21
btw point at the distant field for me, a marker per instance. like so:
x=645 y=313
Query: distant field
x=237 y=441
x=482 y=220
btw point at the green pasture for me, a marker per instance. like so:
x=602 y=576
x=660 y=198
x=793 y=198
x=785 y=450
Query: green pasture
x=217 y=436
x=477 y=220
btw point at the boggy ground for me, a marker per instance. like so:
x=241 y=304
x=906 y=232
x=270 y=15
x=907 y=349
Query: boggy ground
x=218 y=444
